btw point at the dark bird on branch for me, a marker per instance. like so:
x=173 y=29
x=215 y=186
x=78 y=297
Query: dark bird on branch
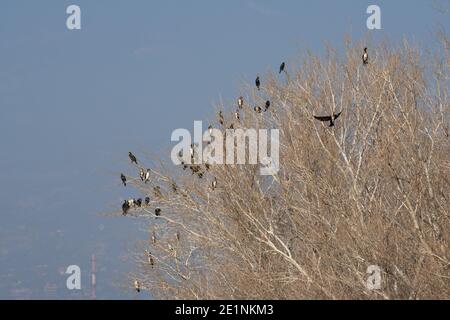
x=132 y=158
x=141 y=174
x=150 y=259
x=282 y=66
x=221 y=120
x=138 y=202
x=147 y=201
x=267 y=105
x=125 y=207
x=257 y=82
x=365 y=56
x=329 y=118
x=124 y=179
x=158 y=212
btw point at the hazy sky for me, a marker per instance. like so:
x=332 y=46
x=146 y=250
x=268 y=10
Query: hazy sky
x=73 y=103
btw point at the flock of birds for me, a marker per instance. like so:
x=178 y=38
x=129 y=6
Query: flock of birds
x=145 y=174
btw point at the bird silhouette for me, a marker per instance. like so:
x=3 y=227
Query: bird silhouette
x=328 y=118
x=365 y=56
x=257 y=82
x=257 y=109
x=138 y=202
x=132 y=158
x=141 y=174
x=137 y=286
x=157 y=191
x=221 y=120
x=151 y=262
x=125 y=207
x=147 y=176
x=237 y=116
x=282 y=66
x=147 y=201
x=124 y=179
x=267 y=105
x=240 y=102
x=157 y=212
x=214 y=184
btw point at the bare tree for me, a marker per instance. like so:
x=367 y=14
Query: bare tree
x=372 y=190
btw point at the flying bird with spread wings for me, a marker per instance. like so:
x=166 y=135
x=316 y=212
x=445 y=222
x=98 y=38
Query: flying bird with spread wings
x=328 y=118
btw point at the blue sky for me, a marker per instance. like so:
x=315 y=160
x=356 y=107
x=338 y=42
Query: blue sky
x=73 y=103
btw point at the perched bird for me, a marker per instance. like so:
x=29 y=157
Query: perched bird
x=282 y=66
x=147 y=201
x=141 y=174
x=137 y=286
x=365 y=56
x=257 y=82
x=132 y=158
x=210 y=129
x=124 y=179
x=214 y=184
x=329 y=118
x=131 y=203
x=257 y=109
x=139 y=202
x=195 y=169
x=147 y=176
x=240 y=102
x=157 y=191
x=267 y=105
x=237 y=116
x=221 y=120
x=177 y=235
x=174 y=187
x=154 y=237
x=150 y=258
x=125 y=207
x=158 y=212
x=231 y=126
